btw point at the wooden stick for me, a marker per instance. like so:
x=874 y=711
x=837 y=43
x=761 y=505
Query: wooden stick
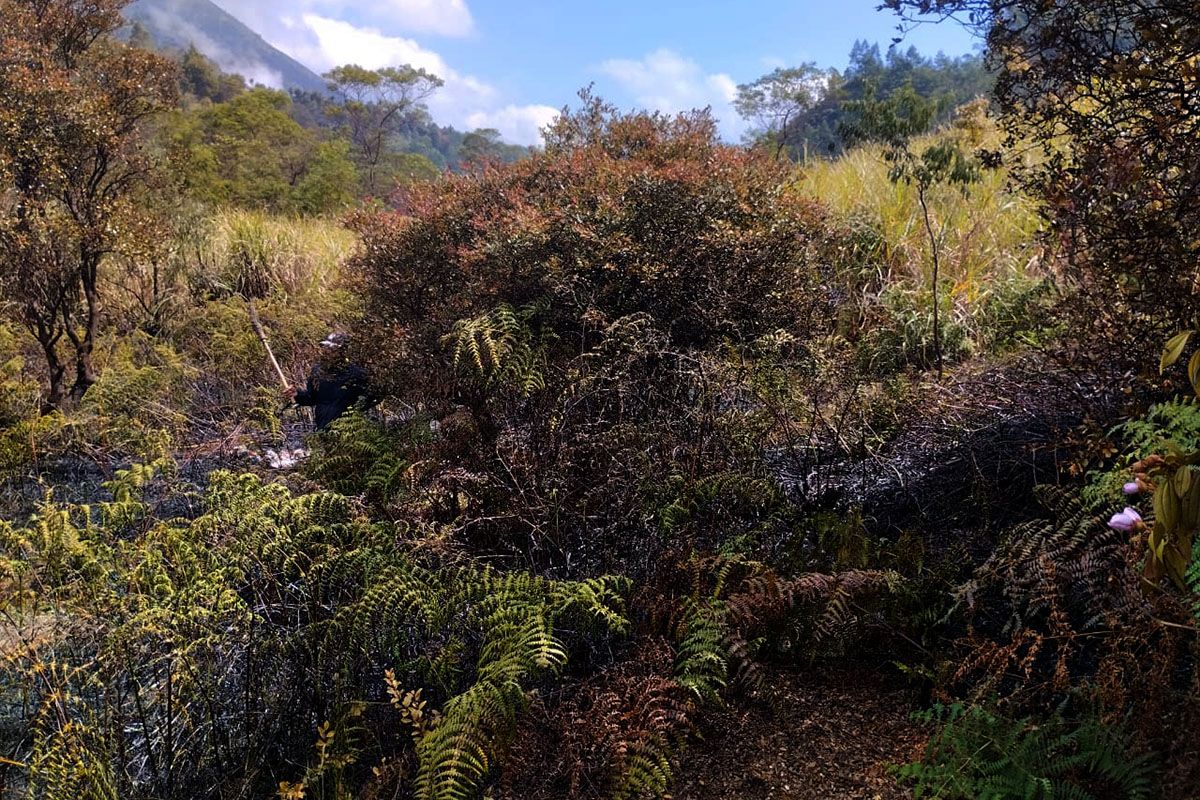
x=256 y=323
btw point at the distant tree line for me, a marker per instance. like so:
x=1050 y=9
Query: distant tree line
x=310 y=152
x=802 y=111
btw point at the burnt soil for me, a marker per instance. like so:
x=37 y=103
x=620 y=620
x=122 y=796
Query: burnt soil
x=822 y=734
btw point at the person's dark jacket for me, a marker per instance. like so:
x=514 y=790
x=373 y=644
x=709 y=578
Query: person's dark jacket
x=332 y=391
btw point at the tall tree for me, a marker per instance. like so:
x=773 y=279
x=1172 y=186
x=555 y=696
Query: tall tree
x=480 y=147
x=373 y=104
x=71 y=167
x=775 y=101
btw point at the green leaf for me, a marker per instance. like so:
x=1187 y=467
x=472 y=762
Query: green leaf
x=1167 y=510
x=1174 y=349
x=1182 y=481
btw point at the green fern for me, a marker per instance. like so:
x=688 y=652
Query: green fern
x=978 y=755
x=702 y=655
x=500 y=349
x=358 y=456
x=648 y=770
x=291 y=603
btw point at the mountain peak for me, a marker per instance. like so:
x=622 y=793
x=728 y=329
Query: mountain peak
x=234 y=46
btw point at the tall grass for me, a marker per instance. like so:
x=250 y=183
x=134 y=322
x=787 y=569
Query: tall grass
x=987 y=233
x=993 y=281
x=302 y=255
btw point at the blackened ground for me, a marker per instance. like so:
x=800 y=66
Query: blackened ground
x=969 y=451
x=826 y=733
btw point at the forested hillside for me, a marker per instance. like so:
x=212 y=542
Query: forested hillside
x=857 y=459
x=181 y=24
x=218 y=55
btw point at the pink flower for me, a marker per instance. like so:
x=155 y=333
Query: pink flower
x=1133 y=487
x=1127 y=520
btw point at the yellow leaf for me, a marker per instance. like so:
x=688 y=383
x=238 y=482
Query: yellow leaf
x=1174 y=349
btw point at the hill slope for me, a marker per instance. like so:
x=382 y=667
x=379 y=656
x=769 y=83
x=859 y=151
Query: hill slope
x=224 y=39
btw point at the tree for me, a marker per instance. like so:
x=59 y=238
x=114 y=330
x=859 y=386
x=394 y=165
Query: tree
x=373 y=104
x=775 y=101
x=329 y=180
x=201 y=79
x=895 y=122
x=481 y=146
x=71 y=167
x=815 y=127
x=250 y=152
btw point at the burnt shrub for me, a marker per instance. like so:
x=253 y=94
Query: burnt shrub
x=586 y=307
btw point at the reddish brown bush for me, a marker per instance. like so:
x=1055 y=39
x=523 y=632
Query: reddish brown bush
x=620 y=215
x=582 y=306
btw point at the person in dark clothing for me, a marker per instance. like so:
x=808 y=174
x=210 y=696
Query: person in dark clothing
x=334 y=386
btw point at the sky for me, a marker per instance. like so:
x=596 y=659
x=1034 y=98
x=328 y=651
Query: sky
x=512 y=64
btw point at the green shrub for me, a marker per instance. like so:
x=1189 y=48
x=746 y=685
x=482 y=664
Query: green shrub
x=136 y=408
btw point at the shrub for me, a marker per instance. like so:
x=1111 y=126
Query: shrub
x=621 y=215
x=587 y=309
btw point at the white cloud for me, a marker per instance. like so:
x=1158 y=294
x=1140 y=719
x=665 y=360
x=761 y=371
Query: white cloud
x=445 y=17
x=669 y=82
x=517 y=124
x=334 y=42
x=338 y=42
x=323 y=34
x=442 y=17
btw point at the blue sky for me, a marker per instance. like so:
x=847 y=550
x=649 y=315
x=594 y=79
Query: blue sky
x=510 y=64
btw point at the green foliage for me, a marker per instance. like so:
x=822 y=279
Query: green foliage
x=977 y=754
x=329 y=180
x=1192 y=579
x=370 y=106
x=134 y=408
x=134 y=620
x=1171 y=426
x=896 y=122
x=1173 y=423
x=249 y=152
x=201 y=79
x=990 y=265
x=814 y=103
x=702 y=655
x=517 y=613
x=357 y=456
x=900 y=334
x=500 y=349
x=777 y=101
